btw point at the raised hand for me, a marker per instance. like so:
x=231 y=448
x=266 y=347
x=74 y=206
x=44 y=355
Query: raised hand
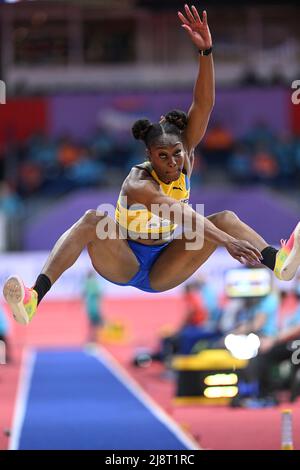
x=197 y=29
x=243 y=251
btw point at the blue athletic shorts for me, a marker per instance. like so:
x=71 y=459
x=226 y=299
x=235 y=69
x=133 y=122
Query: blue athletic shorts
x=146 y=255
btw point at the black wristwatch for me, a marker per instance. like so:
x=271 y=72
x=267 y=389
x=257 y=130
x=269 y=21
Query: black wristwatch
x=206 y=51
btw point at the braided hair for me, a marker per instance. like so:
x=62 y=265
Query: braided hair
x=174 y=123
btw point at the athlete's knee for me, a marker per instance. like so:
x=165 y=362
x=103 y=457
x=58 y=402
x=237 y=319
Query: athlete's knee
x=228 y=216
x=223 y=218
x=88 y=223
x=92 y=217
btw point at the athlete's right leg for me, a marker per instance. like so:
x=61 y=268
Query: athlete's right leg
x=111 y=257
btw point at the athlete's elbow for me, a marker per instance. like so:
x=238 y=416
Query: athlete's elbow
x=209 y=104
x=206 y=103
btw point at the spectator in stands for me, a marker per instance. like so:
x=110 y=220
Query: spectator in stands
x=257 y=315
x=210 y=300
x=42 y=150
x=31 y=178
x=240 y=165
x=196 y=311
x=92 y=295
x=261 y=134
x=259 y=373
x=283 y=150
x=280 y=348
x=200 y=322
x=218 y=145
x=12 y=211
x=10 y=202
x=86 y=171
x=265 y=166
x=68 y=152
x=199 y=304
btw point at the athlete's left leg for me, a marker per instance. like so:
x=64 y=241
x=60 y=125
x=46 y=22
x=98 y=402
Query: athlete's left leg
x=176 y=263
x=230 y=223
x=284 y=262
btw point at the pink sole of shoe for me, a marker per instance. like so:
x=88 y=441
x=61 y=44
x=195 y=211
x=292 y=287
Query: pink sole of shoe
x=292 y=262
x=14 y=294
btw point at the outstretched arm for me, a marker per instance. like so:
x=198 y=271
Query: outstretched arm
x=204 y=90
x=149 y=194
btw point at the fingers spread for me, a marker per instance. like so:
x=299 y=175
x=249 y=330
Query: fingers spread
x=196 y=14
x=255 y=251
x=189 y=14
x=251 y=256
x=257 y=254
x=187 y=28
x=182 y=18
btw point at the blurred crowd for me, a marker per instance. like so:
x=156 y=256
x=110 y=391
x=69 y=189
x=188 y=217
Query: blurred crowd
x=211 y=317
x=47 y=167
x=260 y=156
x=42 y=166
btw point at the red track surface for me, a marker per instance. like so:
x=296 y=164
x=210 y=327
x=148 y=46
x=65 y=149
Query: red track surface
x=64 y=324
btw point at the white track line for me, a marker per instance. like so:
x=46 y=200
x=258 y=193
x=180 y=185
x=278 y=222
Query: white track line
x=122 y=375
x=27 y=366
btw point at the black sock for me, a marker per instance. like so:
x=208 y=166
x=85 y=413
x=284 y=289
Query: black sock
x=41 y=286
x=269 y=257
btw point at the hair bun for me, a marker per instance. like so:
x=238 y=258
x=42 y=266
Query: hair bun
x=140 y=128
x=177 y=118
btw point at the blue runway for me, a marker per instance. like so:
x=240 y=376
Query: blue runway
x=80 y=400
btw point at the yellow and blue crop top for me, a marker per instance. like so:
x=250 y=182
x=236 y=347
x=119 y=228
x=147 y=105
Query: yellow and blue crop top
x=138 y=220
